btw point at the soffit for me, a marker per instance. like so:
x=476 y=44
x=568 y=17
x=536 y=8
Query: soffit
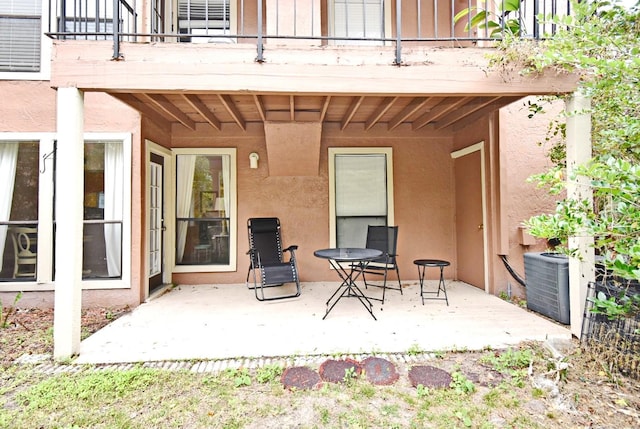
x=361 y=112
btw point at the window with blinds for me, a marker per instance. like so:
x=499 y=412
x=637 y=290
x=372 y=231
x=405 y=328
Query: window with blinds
x=203 y=14
x=362 y=195
x=20 y=35
x=358 y=19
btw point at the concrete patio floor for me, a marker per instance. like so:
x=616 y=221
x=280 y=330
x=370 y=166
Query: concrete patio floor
x=226 y=321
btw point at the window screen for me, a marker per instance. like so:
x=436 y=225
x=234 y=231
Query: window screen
x=203 y=14
x=20 y=35
x=358 y=19
x=361 y=196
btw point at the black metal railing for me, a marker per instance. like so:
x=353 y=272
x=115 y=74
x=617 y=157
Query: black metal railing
x=249 y=21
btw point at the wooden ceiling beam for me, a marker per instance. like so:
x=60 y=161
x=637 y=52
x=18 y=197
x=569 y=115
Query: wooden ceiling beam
x=203 y=110
x=167 y=106
x=260 y=106
x=143 y=108
x=444 y=107
x=355 y=105
x=233 y=111
x=325 y=107
x=466 y=110
x=501 y=102
x=382 y=108
x=415 y=105
x=452 y=113
x=292 y=108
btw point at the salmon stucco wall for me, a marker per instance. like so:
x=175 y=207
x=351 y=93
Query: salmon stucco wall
x=524 y=153
x=422 y=194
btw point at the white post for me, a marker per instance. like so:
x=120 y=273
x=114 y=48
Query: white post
x=581 y=268
x=69 y=216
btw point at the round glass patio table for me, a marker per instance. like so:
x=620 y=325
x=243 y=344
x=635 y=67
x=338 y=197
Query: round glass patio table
x=349 y=262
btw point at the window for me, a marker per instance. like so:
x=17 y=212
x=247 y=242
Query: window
x=361 y=192
x=20 y=35
x=19 y=182
x=106 y=259
x=205 y=210
x=358 y=19
x=103 y=210
x=27 y=224
x=205 y=17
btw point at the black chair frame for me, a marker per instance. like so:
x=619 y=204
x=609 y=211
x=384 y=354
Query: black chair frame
x=385 y=239
x=267 y=258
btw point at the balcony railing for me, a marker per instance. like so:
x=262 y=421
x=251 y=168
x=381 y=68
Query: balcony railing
x=310 y=22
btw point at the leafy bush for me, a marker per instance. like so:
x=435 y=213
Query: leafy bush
x=502 y=17
x=615 y=307
x=600 y=42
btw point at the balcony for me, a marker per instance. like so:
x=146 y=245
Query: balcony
x=228 y=65
x=260 y=23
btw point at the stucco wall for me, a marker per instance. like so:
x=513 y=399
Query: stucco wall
x=524 y=154
x=30 y=106
x=422 y=194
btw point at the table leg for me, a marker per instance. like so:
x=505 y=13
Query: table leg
x=350 y=290
x=421 y=270
x=441 y=284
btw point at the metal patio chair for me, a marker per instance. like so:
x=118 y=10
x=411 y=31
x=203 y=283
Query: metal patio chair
x=267 y=259
x=385 y=239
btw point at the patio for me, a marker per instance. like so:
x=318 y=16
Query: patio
x=226 y=321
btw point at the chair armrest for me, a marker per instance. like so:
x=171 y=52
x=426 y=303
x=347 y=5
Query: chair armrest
x=292 y=253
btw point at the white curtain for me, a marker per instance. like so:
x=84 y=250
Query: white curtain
x=8 y=162
x=184 y=194
x=113 y=191
x=225 y=183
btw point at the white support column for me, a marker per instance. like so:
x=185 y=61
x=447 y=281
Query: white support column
x=69 y=216
x=581 y=268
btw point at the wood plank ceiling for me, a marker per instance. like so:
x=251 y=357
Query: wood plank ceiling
x=361 y=111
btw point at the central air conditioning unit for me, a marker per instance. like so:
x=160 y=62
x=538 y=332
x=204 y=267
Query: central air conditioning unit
x=547 y=285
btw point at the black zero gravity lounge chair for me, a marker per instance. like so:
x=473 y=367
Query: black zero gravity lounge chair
x=267 y=259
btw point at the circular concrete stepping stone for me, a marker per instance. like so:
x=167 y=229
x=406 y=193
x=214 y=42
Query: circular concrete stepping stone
x=380 y=371
x=300 y=377
x=334 y=371
x=429 y=376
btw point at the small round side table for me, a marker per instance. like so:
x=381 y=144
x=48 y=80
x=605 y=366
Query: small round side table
x=422 y=266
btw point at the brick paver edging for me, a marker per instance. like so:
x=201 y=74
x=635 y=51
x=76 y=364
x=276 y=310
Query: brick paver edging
x=45 y=364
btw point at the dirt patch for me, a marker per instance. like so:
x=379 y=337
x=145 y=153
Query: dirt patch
x=29 y=331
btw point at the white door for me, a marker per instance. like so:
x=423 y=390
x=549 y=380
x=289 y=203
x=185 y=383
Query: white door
x=156 y=221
